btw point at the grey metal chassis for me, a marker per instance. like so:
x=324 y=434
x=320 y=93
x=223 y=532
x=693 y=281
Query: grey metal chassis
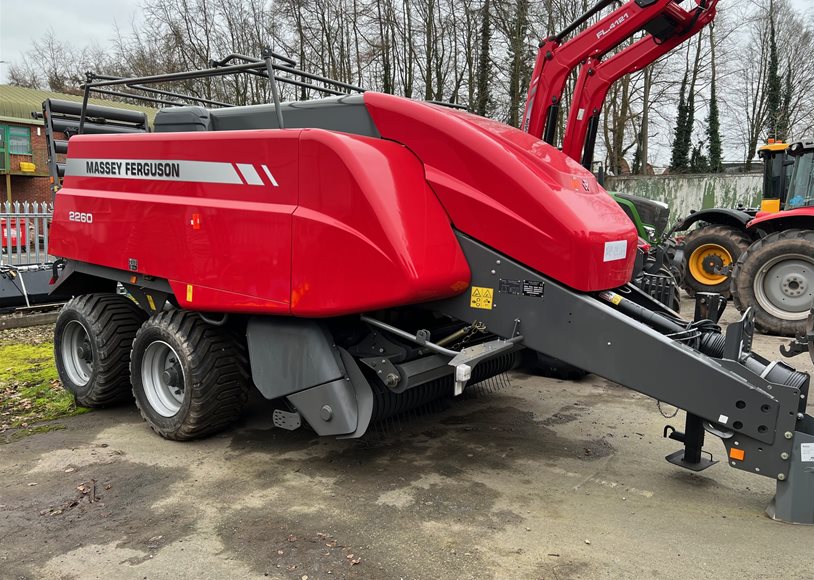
x=764 y=420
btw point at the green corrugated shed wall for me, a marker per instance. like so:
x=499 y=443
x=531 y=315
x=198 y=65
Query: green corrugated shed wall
x=17 y=103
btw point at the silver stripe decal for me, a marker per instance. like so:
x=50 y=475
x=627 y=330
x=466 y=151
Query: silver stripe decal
x=270 y=176
x=155 y=169
x=249 y=173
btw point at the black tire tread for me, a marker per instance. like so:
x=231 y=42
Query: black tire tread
x=219 y=380
x=737 y=238
x=114 y=321
x=742 y=285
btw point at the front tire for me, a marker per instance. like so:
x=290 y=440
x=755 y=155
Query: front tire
x=92 y=340
x=775 y=276
x=706 y=248
x=190 y=379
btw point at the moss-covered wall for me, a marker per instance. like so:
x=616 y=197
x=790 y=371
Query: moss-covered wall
x=684 y=193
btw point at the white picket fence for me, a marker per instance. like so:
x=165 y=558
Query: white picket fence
x=24 y=231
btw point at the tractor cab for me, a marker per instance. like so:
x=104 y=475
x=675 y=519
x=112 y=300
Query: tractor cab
x=801 y=185
x=777 y=169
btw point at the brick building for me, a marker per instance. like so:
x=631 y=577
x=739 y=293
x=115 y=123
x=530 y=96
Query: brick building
x=23 y=149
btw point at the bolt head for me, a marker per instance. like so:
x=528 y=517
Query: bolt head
x=788 y=434
x=784 y=456
x=781 y=477
x=326 y=413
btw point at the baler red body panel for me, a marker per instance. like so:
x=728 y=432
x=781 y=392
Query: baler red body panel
x=369 y=232
x=350 y=225
x=317 y=223
x=515 y=193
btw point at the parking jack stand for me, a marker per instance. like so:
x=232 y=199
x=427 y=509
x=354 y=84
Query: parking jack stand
x=692 y=456
x=708 y=306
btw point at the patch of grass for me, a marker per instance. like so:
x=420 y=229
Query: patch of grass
x=30 y=391
x=18 y=434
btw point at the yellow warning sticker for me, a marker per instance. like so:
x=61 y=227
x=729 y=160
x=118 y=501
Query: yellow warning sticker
x=481 y=298
x=189 y=292
x=616 y=299
x=151 y=302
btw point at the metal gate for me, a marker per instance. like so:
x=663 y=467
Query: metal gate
x=24 y=231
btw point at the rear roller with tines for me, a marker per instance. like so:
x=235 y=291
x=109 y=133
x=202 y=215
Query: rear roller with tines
x=486 y=377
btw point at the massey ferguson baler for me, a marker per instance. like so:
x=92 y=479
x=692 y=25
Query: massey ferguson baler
x=375 y=254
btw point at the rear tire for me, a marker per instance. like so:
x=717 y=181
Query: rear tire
x=92 y=340
x=713 y=244
x=775 y=276
x=190 y=379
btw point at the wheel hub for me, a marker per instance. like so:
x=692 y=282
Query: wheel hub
x=85 y=352
x=706 y=262
x=76 y=353
x=784 y=287
x=162 y=378
x=711 y=263
x=793 y=285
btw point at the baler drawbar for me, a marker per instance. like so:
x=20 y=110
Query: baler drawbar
x=356 y=256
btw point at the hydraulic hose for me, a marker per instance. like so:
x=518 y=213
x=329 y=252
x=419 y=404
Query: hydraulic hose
x=702 y=335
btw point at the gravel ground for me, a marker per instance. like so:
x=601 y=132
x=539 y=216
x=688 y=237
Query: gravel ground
x=30 y=335
x=546 y=479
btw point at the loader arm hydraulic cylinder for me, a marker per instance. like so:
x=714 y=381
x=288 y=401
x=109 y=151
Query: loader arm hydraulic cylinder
x=596 y=77
x=556 y=59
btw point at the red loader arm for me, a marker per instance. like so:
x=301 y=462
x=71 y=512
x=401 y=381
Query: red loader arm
x=595 y=77
x=556 y=60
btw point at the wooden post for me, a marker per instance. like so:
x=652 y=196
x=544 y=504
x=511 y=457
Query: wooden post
x=8 y=187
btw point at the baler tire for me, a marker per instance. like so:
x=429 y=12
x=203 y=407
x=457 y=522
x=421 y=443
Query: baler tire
x=756 y=265
x=213 y=369
x=732 y=241
x=548 y=366
x=106 y=324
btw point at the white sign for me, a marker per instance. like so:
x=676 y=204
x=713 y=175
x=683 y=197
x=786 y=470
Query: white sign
x=615 y=250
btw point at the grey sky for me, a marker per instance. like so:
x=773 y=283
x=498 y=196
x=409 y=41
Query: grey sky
x=84 y=22
x=81 y=22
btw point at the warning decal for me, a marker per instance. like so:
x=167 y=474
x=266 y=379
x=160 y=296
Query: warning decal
x=481 y=298
x=807 y=452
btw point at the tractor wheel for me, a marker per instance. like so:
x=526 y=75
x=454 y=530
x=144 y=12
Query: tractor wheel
x=190 y=379
x=674 y=302
x=548 y=366
x=674 y=261
x=775 y=276
x=92 y=339
x=706 y=248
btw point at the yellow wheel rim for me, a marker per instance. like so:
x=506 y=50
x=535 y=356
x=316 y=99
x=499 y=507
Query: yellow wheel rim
x=703 y=261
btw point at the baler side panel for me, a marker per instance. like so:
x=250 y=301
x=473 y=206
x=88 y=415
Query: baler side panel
x=198 y=234
x=487 y=174
x=369 y=232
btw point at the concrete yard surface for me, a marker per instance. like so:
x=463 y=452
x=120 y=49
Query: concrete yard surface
x=542 y=479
